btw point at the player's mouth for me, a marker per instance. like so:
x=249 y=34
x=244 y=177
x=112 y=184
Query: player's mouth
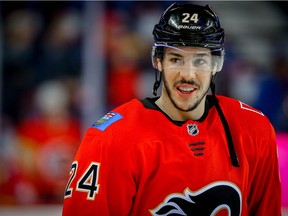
x=186 y=90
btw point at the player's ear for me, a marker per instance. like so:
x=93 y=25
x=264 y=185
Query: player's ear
x=159 y=64
x=214 y=70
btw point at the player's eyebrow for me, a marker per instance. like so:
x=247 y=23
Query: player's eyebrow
x=203 y=54
x=171 y=53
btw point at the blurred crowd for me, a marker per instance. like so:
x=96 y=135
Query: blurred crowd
x=41 y=73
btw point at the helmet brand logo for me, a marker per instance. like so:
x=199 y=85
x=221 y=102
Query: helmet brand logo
x=192 y=129
x=189 y=27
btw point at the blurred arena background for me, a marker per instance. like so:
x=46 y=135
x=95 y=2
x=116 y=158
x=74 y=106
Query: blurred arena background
x=65 y=64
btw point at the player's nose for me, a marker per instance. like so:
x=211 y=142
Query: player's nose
x=188 y=71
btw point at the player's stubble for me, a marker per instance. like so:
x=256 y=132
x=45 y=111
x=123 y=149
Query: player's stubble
x=199 y=98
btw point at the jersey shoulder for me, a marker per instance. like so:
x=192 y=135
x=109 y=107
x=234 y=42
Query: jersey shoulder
x=130 y=122
x=125 y=117
x=244 y=116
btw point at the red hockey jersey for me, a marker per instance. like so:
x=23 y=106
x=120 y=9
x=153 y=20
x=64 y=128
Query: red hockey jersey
x=137 y=161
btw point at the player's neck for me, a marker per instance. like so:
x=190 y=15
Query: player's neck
x=175 y=114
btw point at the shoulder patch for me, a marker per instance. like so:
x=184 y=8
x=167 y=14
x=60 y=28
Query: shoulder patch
x=249 y=108
x=107 y=120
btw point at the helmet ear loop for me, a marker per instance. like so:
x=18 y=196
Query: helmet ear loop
x=213 y=78
x=157 y=83
x=212 y=83
x=158 y=74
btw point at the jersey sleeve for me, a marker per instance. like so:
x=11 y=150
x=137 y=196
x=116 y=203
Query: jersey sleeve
x=100 y=182
x=265 y=194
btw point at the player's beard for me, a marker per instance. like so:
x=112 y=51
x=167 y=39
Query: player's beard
x=192 y=106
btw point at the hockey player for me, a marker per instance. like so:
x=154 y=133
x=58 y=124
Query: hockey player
x=185 y=152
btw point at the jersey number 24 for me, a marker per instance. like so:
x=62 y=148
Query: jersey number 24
x=88 y=183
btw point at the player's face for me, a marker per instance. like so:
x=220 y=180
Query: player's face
x=187 y=74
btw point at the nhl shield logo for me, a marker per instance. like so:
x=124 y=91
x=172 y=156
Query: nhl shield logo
x=192 y=129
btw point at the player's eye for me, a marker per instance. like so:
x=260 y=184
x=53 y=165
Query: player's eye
x=175 y=60
x=199 y=62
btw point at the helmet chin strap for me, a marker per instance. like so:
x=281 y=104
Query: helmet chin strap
x=157 y=83
x=233 y=155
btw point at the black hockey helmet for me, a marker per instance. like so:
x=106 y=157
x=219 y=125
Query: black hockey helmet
x=186 y=24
